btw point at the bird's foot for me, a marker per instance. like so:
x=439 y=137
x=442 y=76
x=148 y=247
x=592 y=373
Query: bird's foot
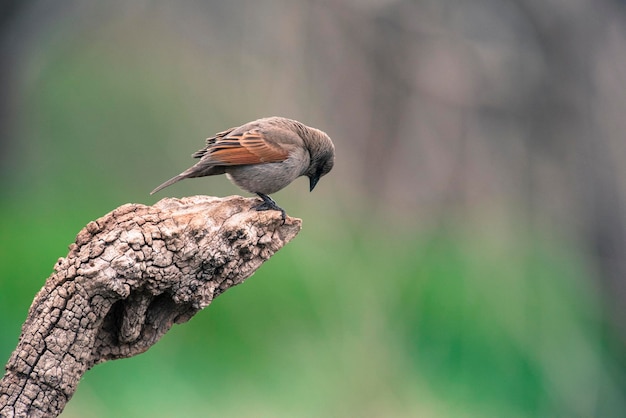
x=269 y=204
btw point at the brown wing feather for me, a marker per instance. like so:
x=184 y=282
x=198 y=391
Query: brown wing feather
x=250 y=147
x=210 y=142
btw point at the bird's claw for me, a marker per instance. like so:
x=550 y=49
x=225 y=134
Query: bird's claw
x=269 y=204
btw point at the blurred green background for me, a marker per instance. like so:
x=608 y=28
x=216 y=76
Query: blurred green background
x=465 y=258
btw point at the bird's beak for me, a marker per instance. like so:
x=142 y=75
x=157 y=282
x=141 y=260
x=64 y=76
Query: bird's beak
x=313 y=181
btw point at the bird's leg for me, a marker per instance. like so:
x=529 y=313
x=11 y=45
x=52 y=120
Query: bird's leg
x=268 y=203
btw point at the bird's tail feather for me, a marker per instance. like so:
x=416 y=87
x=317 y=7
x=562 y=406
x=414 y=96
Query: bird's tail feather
x=168 y=183
x=201 y=169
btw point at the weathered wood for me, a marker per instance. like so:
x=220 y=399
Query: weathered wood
x=127 y=279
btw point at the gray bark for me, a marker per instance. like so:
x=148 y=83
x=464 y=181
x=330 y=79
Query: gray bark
x=127 y=279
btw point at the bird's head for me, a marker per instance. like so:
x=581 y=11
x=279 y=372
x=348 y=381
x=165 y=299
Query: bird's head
x=322 y=152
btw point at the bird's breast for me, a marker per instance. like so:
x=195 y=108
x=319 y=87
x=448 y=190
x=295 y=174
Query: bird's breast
x=270 y=177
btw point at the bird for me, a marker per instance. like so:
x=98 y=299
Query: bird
x=263 y=157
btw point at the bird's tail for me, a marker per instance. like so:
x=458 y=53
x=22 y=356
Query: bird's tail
x=168 y=183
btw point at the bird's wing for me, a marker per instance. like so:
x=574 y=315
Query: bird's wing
x=249 y=147
x=210 y=142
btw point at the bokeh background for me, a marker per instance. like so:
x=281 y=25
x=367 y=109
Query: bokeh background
x=465 y=258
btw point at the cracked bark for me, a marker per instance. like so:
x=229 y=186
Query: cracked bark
x=127 y=279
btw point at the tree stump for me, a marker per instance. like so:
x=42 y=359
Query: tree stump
x=127 y=279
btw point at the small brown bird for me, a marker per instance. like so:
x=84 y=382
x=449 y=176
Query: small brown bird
x=263 y=157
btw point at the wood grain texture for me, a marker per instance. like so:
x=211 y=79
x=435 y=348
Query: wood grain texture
x=127 y=279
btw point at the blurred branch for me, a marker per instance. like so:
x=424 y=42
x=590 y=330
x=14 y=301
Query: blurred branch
x=127 y=279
